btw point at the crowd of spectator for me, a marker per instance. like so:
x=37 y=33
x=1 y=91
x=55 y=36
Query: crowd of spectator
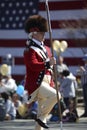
x=67 y=86
x=15 y=98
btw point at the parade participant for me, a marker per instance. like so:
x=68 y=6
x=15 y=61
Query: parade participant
x=38 y=69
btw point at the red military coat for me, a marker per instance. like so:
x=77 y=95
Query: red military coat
x=36 y=68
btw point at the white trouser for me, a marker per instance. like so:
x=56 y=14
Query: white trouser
x=47 y=98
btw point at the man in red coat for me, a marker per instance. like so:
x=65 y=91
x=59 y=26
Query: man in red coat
x=39 y=81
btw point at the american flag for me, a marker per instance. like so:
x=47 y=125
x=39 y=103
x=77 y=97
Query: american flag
x=68 y=22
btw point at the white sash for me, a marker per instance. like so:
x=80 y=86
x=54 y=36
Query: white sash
x=40 y=52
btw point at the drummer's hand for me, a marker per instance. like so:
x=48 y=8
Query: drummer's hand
x=52 y=61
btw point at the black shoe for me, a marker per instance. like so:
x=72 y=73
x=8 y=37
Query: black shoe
x=41 y=123
x=44 y=125
x=83 y=115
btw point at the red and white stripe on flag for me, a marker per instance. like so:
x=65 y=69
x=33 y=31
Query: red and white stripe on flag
x=67 y=20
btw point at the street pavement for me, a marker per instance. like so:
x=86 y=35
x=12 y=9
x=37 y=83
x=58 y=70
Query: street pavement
x=29 y=124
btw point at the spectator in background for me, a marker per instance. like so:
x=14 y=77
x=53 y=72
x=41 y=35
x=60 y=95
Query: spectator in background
x=9 y=106
x=60 y=67
x=68 y=87
x=70 y=114
x=17 y=103
x=23 y=97
x=83 y=73
x=7 y=82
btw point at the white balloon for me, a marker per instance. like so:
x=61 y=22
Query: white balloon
x=63 y=46
x=56 y=45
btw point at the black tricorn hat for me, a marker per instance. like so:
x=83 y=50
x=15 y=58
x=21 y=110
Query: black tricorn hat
x=36 y=23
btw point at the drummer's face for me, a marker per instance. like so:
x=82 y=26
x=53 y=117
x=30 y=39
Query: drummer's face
x=39 y=36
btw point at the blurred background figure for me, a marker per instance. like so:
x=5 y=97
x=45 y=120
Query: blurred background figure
x=70 y=114
x=2 y=109
x=17 y=102
x=8 y=87
x=83 y=74
x=60 y=67
x=7 y=84
x=9 y=107
x=68 y=87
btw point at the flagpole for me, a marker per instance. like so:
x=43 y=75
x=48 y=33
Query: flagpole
x=55 y=67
